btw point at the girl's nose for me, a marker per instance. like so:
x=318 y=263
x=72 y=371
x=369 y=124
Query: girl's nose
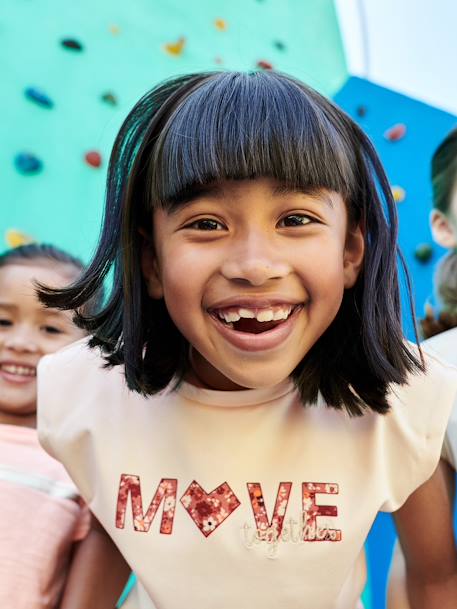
x=21 y=341
x=254 y=265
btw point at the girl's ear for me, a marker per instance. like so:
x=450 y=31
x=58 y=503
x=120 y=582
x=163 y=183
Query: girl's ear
x=150 y=268
x=354 y=251
x=442 y=230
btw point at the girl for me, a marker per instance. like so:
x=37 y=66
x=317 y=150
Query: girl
x=440 y=330
x=254 y=309
x=49 y=553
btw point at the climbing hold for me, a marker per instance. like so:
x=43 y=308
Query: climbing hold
x=175 y=48
x=114 y=29
x=361 y=111
x=264 y=65
x=279 y=44
x=218 y=60
x=39 y=97
x=27 y=163
x=72 y=44
x=15 y=238
x=399 y=194
x=93 y=158
x=424 y=252
x=109 y=98
x=221 y=24
x=395 y=133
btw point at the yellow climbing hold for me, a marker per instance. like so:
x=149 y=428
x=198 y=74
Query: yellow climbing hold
x=15 y=238
x=114 y=29
x=399 y=194
x=175 y=48
x=221 y=24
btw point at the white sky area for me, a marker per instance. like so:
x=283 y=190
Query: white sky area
x=409 y=46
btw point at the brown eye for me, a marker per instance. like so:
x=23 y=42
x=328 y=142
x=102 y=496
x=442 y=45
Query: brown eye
x=206 y=224
x=5 y=323
x=296 y=220
x=51 y=330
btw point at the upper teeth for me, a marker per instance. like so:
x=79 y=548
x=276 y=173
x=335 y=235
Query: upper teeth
x=271 y=314
x=22 y=370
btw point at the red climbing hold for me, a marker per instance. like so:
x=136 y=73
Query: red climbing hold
x=264 y=65
x=93 y=158
x=395 y=133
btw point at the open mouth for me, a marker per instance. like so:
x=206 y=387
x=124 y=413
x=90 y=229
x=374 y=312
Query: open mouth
x=18 y=370
x=254 y=320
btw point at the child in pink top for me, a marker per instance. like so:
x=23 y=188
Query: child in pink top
x=49 y=550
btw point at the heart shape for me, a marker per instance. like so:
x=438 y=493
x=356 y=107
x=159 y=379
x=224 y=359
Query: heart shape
x=209 y=510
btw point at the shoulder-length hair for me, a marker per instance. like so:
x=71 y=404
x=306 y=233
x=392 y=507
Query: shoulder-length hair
x=444 y=172
x=201 y=128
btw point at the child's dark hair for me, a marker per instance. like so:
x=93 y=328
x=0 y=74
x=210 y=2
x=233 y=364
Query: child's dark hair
x=44 y=251
x=446 y=287
x=444 y=172
x=201 y=128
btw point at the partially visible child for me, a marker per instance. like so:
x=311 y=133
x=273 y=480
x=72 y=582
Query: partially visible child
x=439 y=327
x=49 y=550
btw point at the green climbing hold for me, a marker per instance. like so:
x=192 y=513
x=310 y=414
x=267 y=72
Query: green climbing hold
x=424 y=252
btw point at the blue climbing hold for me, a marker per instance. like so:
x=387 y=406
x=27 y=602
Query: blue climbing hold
x=39 y=97
x=27 y=163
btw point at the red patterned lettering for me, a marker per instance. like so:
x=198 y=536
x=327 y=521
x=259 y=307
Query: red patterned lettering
x=166 y=492
x=260 y=512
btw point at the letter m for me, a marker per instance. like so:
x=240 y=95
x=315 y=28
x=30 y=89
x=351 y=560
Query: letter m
x=130 y=486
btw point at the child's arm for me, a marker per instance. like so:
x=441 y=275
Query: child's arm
x=425 y=529
x=98 y=573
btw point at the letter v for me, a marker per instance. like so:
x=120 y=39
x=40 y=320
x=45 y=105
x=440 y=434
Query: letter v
x=259 y=509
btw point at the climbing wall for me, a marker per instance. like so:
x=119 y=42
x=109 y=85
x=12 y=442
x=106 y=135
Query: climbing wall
x=405 y=133
x=72 y=70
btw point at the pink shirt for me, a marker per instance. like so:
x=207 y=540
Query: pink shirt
x=41 y=516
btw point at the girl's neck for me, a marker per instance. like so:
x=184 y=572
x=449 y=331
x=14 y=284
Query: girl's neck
x=26 y=420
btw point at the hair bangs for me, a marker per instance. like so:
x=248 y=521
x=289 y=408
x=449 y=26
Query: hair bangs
x=235 y=126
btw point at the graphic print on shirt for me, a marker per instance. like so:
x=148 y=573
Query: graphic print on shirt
x=209 y=510
x=166 y=492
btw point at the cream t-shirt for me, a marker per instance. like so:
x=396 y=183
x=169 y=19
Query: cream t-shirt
x=238 y=499
x=445 y=345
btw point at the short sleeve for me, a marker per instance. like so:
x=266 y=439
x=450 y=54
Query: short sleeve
x=413 y=432
x=68 y=386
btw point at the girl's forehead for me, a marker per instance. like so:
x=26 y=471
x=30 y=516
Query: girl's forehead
x=25 y=273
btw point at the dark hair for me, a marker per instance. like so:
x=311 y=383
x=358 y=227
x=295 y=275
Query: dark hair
x=201 y=128
x=444 y=172
x=446 y=287
x=51 y=253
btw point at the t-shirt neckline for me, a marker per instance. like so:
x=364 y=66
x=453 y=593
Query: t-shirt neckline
x=239 y=398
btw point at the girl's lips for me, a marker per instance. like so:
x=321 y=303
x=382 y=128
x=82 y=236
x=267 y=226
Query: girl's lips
x=263 y=341
x=17 y=379
x=19 y=374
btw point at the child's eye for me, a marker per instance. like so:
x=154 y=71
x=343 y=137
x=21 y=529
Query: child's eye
x=51 y=330
x=295 y=220
x=5 y=323
x=206 y=224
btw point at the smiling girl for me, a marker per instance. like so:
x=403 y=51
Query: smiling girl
x=247 y=402
x=49 y=548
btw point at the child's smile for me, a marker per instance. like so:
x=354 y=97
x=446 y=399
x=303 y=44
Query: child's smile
x=252 y=274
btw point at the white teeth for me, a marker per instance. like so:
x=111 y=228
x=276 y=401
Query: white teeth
x=246 y=313
x=265 y=315
x=19 y=370
x=276 y=314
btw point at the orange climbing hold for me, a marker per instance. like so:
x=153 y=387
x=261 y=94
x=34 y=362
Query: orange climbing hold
x=175 y=48
x=114 y=29
x=221 y=24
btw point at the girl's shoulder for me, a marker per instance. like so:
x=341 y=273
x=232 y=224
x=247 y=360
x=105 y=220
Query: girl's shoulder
x=443 y=345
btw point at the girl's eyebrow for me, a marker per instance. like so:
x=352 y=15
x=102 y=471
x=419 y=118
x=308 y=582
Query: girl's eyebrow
x=8 y=305
x=318 y=194
x=188 y=195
